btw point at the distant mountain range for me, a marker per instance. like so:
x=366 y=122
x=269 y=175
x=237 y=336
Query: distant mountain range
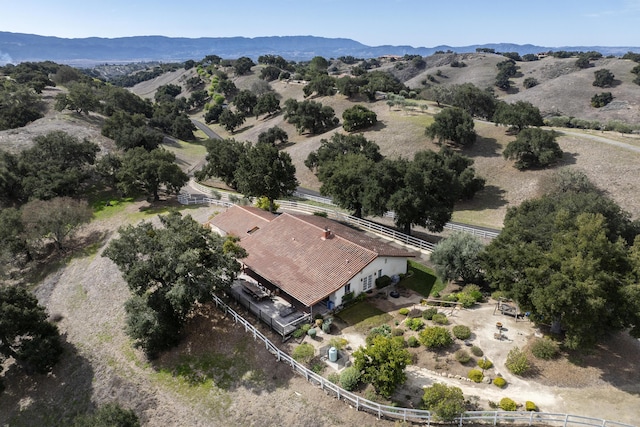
x=16 y=48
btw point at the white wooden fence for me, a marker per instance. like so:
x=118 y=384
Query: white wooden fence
x=410 y=414
x=478 y=231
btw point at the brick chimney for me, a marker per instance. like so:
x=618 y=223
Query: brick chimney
x=326 y=233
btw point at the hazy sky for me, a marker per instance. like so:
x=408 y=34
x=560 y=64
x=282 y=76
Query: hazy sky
x=418 y=23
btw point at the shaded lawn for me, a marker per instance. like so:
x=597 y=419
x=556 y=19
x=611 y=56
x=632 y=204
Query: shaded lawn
x=423 y=280
x=363 y=316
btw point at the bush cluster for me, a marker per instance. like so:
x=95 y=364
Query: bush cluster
x=413 y=342
x=462 y=356
x=475 y=375
x=485 y=363
x=517 y=362
x=499 y=382
x=545 y=348
x=349 y=378
x=435 y=337
x=397 y=332
x=301 y=331
x=477 y=351
x=384 y=330
x=440 y=319
x=507 y=404
x=429 y=313
x=461 y=332
x=383 y=281
x=469 y=295
x=414 y=324
x=303 y=353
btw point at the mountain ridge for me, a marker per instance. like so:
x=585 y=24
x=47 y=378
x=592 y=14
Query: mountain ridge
x=21 y=47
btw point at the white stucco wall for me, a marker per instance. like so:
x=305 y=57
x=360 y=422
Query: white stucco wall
x=390 y=266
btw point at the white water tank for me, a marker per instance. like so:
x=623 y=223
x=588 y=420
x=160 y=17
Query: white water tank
x=333 y=354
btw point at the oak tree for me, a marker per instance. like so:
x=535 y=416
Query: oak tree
x=263 y=170
x=25 y=334
x=454 y=125
x=147 y=171
x=169 y=269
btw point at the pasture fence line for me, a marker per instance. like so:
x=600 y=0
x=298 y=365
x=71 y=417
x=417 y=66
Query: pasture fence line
x=409 y=414
x=477 y=231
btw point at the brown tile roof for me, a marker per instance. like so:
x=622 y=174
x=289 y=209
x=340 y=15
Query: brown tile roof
x=291 y=251
x=239 y=220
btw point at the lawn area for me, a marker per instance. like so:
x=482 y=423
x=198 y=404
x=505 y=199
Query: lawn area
x=363 y=316
x=423 y=280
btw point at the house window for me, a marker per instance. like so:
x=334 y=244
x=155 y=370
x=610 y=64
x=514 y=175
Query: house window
x=347 y=288
x=368 y=283
x=379 y=273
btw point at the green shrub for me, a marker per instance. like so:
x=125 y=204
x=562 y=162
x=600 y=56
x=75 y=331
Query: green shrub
x=467 y=300
x=477 y=351
x=485 y=363
x=461 y=332
x=601 y=99
x=507 y=404
x=429 y=313
x=318 y=367
x=545 y=348
x=499 y=382
x=397 y=332
x=517 y=362
x=383 y=281
x=475 y=375
x=414 y=324
x=404 y=311
x=303 y=353
x=440 y=319
x=349 y=378
x=530 y=406
x=445 y=402
x=347 y=297
x=338 y=342
x=312 y=332
x=474 y=291
x=416 y=312
x=496 y=295
x=413 y=341
x=462 y=356
x=435 y=337
x=334 y=377
x=384 y=330
x=302 y=330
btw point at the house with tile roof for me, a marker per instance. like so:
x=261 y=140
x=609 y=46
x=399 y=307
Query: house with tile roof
x=310 y=259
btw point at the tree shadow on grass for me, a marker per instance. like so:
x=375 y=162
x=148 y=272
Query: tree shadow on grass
x=490 y=197
x=483 y=147
x=375 y=128
x=47 y=400
x=568 y=159
x=217 y=353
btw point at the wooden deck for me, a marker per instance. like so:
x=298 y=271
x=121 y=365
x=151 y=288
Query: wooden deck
x=274 y=310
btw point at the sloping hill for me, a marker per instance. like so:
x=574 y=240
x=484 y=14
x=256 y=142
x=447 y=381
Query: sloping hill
x=563 y=87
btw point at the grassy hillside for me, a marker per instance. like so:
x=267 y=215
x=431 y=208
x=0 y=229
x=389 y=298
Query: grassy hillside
x=563 y=89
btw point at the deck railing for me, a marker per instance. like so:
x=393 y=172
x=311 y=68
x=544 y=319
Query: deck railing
x=410 y=414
